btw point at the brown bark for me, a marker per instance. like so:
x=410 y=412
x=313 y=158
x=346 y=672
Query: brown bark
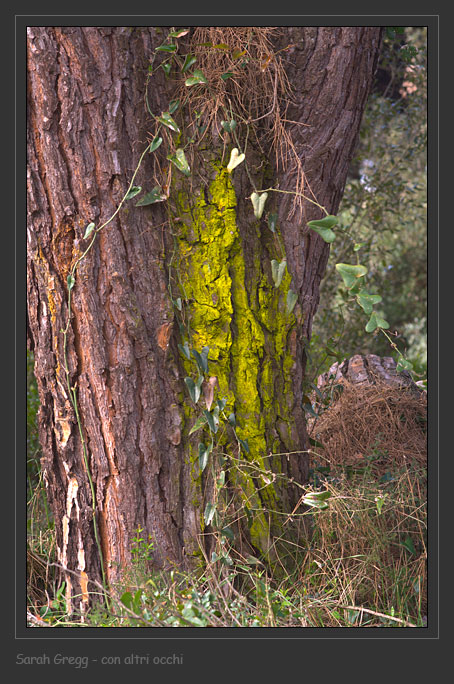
x=87 y=126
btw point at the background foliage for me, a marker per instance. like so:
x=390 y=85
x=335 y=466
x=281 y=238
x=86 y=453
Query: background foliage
x=383 y=217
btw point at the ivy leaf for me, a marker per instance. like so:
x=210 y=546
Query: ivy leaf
x=235 y=159
x=258 y=202
x=166 y=48
x=196 y=78
x=88 y=230
x=167 y=121
x=202 y=359
x=70 y=281
x=350 y=273
x=133 y=192
x=317 y=499
x=210 y=419
x=272 y=221
x=226 y=75
x=244 y=445
x=194 y=388
x=204 y=452
x=178 y=34
x=185 y=350
x=404 y=364
x=180 y=161
x=155 y=144
x=188 y=62
x=210 y=510
x=200 y=422
x=291 y=301
x=367 y=301
x=229 y=126
x=277 y=271
x=375 y=322
x=156 y=195
x=323 y=227
x=173 y=106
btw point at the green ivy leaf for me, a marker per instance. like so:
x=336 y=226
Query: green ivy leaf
x=202 y=359
x=178 y=34
x=212 y=423
x=226 y=75
x=180 y=161
x=404 y=364
x=167 y=121
x=375 y=322
x=194 y=388
x=367 y=301
x=70 y=281
x=155 y=144
x=323 y=227
x=229 y=126
x=204 y=452
x=200 y=422
x=292 y=298
x=185 y=350
x=210 y=510
x=196 y=78
x=272 y=221
x=166 y=48
x=188 y=62
x=133 y=192
x=350 y=273
x=88 y=230
x=156 y=195
x=244 y=445
x=277 y=271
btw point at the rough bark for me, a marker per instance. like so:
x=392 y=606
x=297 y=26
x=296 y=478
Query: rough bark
x=87 y=125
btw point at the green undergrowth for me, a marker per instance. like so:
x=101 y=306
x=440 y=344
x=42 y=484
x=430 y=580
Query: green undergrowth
x=364 y=566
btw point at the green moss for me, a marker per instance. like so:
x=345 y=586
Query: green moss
x=246 y=329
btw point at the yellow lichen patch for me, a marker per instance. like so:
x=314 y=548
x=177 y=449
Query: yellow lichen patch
x=246 y=329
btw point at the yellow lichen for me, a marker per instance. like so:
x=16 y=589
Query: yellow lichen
x=246 y=330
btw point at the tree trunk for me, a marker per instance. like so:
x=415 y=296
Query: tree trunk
x=189 y=272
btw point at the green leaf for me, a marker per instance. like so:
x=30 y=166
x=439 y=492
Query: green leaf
x=166 y=48
x=173 y=106
x=202 y=359
x=212 y=424
x=272 y=221
x=229 y=126
x=228 y=532
x=292 y=298
x=210 y=510
x=178 y=34
x=188 y=62
x=200 y=422
x=204 y=452
x=327 y=222
x=196 y=78
x=178 y=303
x=408 y=544
x=185 y=350
x=194 y=389
x=133 y=192
x=367 y=301
x=166 y=67
x=357 y=246
x=375 y=322
x=156 y=195
x=350 y=273
x=277 y=271
x=155 y=144
x=180 y=161
x=317 y=499
x=232 y=419
x=258 y=202
x=88 y=230
x=126 y=599
x=245 y=445
x=222 y=403
x=70 y=280
x=323 y=227
x=167 y=121
x=226 y=75
x=404 y=364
